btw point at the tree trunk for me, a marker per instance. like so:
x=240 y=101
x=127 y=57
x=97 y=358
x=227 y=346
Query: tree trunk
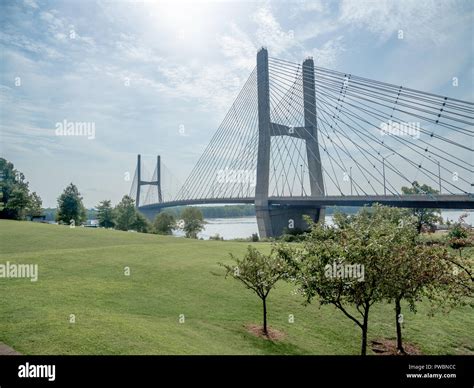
x=398 y=310
x=365 y=327
x=265 y=331
x=419 y=225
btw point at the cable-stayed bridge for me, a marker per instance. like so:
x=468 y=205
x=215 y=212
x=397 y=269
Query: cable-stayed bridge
x=299 y=138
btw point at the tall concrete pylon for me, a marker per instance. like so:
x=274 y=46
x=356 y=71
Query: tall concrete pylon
x=272 y=221
x=311 y=133
x=264 y=145
x=141 y=183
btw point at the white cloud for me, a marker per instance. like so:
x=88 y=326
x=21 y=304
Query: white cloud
x=238 y=47
x=420 y=20
x=241 y=48
x=211 y=86
x=31 y=3
x=304 y=7
x=270 y=33
x=132 y=49
x=54 y=23
x=27 y=44
x=314 y=29
x=207 y=86
x=327 y=55
x=62 y=30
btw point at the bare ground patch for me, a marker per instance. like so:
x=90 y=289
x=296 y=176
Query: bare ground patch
x=387 y=347
x=257 y=330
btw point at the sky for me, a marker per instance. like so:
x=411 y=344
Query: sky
x=157 y=77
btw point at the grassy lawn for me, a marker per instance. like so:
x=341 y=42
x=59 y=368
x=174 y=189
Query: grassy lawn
x=81 y=272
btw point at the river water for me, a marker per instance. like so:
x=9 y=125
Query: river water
x=243 y=227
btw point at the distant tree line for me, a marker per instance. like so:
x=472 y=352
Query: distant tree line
x=226 y=211
x=50 y=214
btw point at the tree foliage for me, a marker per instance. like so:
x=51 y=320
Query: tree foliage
x=105 y=214
x=70 y=206
x=35 y=206
x=193 y=222
x=415 y=270
x=458 y=234
x=425 y=217
x=361 y=242
x=16 y=201
x=397 y=266
x=259 y=273
x=164 y=223
x=127 y=216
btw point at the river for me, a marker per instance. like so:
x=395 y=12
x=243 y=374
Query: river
x=243 y=227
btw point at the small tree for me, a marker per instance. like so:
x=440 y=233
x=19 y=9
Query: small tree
x=105 y=214
x=125 y=213
x=164 y=223
x=193 y=221
x=127 y=216
x=70 y=206
x=35 y=204
x=424 y=217
x=259 y=273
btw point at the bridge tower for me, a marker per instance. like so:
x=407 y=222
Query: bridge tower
x=141 y=183
x=273 y=220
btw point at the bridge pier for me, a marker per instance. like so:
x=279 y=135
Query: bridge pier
x=149 y=212
x=284 y=219
x=273 y=221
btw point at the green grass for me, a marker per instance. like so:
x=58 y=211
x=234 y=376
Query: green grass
x=81 y=272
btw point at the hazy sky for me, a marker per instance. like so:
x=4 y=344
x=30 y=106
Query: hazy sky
x=157 y=77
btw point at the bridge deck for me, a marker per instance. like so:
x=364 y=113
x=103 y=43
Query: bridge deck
x=441 y=201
